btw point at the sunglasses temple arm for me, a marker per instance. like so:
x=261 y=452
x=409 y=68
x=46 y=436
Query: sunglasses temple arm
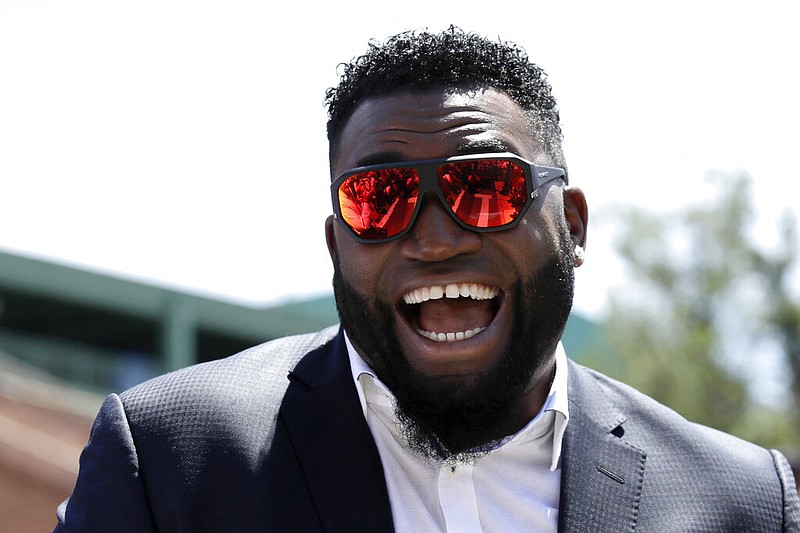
x=543 y=175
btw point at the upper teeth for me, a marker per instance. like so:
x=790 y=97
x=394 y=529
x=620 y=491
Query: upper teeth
x=476 y=291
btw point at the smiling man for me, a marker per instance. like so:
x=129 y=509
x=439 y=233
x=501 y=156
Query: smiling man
x=444 y=401
x=465 y=311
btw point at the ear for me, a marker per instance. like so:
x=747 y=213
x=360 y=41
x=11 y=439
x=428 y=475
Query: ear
x=576 y=213
x=330 y=238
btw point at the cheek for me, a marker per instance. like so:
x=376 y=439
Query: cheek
x=549 y=220
x=535 y=240
x=529 y=247
x=361 y=265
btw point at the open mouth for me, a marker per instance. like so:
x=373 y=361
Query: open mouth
x=452 y=312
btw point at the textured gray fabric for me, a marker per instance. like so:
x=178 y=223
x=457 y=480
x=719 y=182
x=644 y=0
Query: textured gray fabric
x=628 y=456
x=162 y=445
x=213 y=404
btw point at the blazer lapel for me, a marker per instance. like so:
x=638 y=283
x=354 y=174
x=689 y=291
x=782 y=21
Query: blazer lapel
x=338 y=456
x=601 y=479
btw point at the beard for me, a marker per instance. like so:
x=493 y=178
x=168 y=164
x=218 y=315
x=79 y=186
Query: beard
x=460 y=422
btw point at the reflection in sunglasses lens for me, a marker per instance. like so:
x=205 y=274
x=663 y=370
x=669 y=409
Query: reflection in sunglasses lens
x=484 y=193
x=379 y=203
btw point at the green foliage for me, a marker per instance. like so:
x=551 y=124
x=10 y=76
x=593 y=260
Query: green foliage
x=700 y=289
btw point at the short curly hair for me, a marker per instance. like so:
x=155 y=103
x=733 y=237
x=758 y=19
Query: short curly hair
x=451 y=59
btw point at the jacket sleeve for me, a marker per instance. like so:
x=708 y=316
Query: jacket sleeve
x=109 y=494
x=791 y=501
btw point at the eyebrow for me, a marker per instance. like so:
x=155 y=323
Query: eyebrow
x=485 y=146
x=468 y=148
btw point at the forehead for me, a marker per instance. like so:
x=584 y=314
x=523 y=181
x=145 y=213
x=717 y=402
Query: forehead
x=410 y=126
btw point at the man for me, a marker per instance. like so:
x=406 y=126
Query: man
x=445 y=401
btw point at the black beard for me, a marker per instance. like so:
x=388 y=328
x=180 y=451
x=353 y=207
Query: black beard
x=460 y=422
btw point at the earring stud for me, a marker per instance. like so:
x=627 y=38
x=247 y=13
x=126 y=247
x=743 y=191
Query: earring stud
x=579 y=254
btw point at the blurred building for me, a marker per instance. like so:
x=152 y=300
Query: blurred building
x=105 y=333
x=44 y=425
x=69 y=336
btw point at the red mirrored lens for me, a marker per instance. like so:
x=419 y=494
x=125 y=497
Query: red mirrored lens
x=484 y=193
x=380 y=203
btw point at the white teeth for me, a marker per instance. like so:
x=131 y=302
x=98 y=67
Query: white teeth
x=450 y=337
x=453 y=290
x=476 y=291
x=425 y=294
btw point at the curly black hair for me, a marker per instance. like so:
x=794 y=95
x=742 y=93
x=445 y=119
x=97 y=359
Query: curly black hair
x=451 y=59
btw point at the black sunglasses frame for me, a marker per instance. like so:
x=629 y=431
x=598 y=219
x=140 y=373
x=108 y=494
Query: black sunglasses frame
x=535 y=177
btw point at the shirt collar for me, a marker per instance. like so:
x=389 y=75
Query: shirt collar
x=556 y=400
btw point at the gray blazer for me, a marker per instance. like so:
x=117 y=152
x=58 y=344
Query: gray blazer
x=233 y=445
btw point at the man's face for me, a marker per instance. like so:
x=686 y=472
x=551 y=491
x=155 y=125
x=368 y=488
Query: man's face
x=474 y=388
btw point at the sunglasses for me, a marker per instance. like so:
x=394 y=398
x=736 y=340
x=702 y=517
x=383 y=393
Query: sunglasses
x=481 y=192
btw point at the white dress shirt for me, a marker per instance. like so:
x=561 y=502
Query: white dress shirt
x=515 y=487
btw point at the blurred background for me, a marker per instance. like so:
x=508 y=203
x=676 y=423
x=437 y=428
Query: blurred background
x=163 y=189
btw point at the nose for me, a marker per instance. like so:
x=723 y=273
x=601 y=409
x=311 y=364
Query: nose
x=435 y=236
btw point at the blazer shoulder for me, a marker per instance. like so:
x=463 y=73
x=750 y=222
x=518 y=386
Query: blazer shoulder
x=257 y=371
x=649 y=424
x=225 y=409
x=180 y=441
x=689 y=465
x=236 y=398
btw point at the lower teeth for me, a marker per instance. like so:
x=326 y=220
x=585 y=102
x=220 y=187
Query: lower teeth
x=450 y=337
